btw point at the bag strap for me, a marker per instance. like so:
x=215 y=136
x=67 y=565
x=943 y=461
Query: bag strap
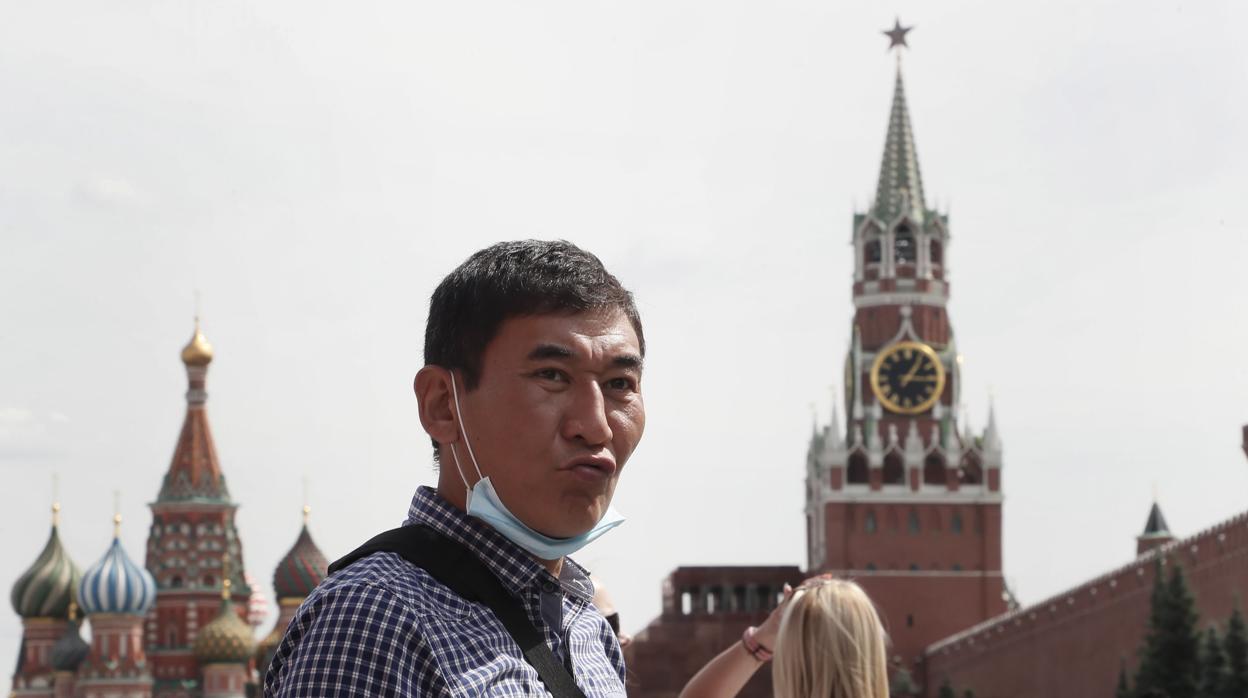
x=461 y=571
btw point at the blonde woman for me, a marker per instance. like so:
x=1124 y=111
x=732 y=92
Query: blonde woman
x=828 y=643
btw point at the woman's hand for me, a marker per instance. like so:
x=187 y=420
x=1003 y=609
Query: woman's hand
x=770 y=629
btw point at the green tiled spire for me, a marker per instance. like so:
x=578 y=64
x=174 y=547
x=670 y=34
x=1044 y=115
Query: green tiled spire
x=900 y=189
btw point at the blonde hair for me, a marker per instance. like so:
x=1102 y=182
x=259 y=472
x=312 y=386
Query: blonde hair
x=830 y=645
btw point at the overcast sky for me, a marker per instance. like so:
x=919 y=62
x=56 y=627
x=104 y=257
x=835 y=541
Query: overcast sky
x=314 y=169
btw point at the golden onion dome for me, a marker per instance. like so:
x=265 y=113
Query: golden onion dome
x=227 y=639
x=197 y=352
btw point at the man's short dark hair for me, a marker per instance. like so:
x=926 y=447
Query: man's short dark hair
x=513 y=279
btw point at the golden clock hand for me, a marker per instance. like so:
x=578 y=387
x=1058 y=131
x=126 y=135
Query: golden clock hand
x=914 y=369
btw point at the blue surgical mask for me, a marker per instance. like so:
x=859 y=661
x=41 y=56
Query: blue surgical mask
x=485 y=504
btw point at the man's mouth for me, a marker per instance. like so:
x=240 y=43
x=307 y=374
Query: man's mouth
x=593 y=467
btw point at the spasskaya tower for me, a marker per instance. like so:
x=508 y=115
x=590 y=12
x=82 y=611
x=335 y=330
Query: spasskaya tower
x=901 y=499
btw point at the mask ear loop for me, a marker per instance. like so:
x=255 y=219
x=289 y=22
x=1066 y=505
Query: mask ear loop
x=463 y=429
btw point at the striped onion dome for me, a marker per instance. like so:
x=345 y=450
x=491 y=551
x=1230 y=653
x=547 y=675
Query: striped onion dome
x=116 y=585
x=47 y=588
x=301 y=569
x=227 y=639
x=70 y=649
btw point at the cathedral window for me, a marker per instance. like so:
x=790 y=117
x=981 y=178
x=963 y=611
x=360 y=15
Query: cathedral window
x=894 y=469
x=903 y=245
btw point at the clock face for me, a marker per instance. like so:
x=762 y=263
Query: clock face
x=907 y=377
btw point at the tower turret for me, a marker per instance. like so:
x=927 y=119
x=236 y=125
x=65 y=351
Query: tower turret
x=42 y=596
x=224 y=648
x=192 y=526
x=1156 y=532
x=299 y=571
x=116 y=595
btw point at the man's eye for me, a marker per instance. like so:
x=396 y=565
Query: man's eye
x=549 y=374
x=621 y=384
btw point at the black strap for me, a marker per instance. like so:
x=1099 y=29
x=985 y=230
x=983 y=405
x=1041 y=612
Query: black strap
x=455 y=566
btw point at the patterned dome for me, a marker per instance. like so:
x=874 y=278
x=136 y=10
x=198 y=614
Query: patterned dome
x=227 y=638
x=47 y=588
x=301 y=569
x=116 y=585
x=70 y=650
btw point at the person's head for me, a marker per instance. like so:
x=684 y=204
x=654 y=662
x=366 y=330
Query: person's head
x=545 y=349
x=831 y=644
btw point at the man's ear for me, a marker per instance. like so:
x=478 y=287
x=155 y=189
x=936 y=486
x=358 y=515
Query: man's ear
x=437 y=411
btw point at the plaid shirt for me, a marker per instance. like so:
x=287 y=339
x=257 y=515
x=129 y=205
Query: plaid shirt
x=384 y=627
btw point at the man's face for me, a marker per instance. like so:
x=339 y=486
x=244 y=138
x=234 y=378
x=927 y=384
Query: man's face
x=555 y=416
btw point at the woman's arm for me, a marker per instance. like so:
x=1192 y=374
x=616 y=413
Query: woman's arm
x=726 y=674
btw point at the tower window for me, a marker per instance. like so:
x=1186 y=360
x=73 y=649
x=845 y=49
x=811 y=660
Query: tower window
x=869 y=524
x=955 y=524
x=909 y=620
x=934 y=470
x=903 y=245
x=912 y=522
x=894 y=470
x=857 y=468
x=972 y=473
x=871 y=252
x=937 y=255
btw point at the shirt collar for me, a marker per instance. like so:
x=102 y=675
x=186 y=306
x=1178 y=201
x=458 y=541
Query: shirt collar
x=516 y=569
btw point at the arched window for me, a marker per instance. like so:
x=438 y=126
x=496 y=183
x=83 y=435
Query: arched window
x=869 y=525
x=903 y=245
x=912 y=522
x=894 y=469
x=934 y=470
x=871 y=252
x=955 y=524
x=857 y=468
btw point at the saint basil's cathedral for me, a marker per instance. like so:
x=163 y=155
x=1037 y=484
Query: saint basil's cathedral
x=183 y=624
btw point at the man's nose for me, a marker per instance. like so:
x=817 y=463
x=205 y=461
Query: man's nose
x=586 y=419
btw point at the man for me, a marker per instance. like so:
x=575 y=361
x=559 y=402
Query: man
x=531 y=393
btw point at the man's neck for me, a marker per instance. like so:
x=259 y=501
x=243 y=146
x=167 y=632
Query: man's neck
x=456 y=497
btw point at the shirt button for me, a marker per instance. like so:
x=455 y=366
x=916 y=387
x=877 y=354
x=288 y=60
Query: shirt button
x=549 y=586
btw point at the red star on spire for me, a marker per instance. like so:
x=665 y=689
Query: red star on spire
x=897 y=35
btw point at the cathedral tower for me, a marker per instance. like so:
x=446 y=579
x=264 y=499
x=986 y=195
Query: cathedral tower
x=192 y=527
x=903 y=500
